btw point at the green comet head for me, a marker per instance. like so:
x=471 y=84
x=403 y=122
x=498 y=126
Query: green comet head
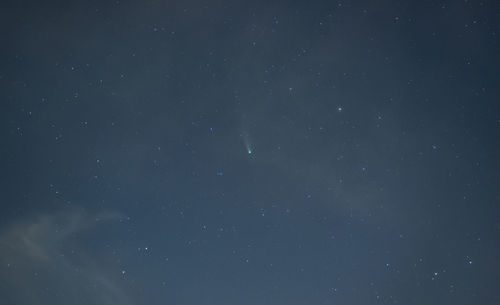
x=249 y=151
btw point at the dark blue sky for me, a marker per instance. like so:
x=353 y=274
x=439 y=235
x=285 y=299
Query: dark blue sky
x=126 y=172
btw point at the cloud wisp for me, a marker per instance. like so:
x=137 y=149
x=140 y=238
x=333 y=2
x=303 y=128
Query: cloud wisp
x=43 y=262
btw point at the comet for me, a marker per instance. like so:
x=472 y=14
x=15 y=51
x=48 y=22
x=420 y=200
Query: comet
x=247 y=142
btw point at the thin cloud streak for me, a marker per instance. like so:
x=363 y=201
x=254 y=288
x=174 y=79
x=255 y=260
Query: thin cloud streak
x=36 y=269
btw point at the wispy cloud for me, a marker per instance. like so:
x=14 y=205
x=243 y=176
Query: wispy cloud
x=37 y=267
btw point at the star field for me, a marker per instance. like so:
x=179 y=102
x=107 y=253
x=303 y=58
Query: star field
x=232 y=152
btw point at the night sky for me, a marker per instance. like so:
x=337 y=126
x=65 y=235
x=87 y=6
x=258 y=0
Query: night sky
x=250 y=152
